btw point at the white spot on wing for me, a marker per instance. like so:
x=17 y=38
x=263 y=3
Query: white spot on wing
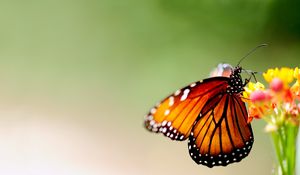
x=185 y=94
x=167 y=112
x=183 y=97
x=171 y=101
x=186 y=91
x=150 y=117
x=169 y=123
x=152 y=122
x=153 y=110
x=193 y=85
x=177 y=92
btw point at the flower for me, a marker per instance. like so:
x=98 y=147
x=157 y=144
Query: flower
x=296 y=87
x=285 y=74
x=251 y=88
x=258 y=96
x=276 y=84
x=297 y=73
x=279 y=105
x=279 y=98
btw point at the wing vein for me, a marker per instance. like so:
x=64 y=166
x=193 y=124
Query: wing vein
x=241 y=107
x=226 y=121
x=212 y=89
x=189 y=112
x=237 y=122
x=178 y=113
x=204 y=134
x=202 y=127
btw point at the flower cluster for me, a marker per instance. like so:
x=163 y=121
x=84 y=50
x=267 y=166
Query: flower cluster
x=279 y=102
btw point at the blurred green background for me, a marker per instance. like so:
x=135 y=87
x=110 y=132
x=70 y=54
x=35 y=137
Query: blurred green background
x=77 y=78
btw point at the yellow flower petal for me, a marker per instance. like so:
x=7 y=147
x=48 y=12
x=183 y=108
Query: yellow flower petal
x=285 y=74
x=296 y=88
x=252 y=87
x=270 y=74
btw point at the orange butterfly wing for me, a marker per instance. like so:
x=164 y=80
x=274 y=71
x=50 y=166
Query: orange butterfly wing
x=175 y=116
x=222 y=134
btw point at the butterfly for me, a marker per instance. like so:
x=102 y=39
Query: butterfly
x=211 y=115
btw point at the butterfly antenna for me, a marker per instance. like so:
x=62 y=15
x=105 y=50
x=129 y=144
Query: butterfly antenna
x=251 y=74
x=250 y=52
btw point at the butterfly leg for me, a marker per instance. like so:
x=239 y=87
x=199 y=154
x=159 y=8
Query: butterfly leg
x=246 y=81
x=251 y=74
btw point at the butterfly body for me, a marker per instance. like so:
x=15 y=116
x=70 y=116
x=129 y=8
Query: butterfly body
x=211 y=115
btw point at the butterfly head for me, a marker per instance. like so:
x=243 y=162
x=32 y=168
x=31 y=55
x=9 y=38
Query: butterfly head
x=237 y=70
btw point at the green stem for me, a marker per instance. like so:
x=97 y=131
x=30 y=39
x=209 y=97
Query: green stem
x=285 y=147
x=284 y=139
x=277 y=143
x=291 y=147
